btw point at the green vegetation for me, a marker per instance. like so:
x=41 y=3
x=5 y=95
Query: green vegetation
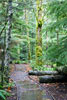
x=35 y=32
x=3 y=93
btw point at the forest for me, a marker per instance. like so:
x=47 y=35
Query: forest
x=33 y=33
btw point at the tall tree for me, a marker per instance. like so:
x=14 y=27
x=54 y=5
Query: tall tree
x=39 y=20
x=27 y=30
x=3 y=22
x=8 y=35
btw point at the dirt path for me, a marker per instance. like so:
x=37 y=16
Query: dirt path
x=27 y=89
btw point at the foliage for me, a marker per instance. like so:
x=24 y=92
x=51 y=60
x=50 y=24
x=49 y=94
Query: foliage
x=50 y=46
x=40 y=68
x=11 y=84
x=3 y=93
x=19 y=62
x=57 y=12
x=58 y=53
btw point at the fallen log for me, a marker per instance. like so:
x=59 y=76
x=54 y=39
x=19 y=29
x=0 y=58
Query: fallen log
x=52 y=78
x=41 y=73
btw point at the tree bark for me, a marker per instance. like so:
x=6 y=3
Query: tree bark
x=39 y=19
x=8 y=36
x=8 y=32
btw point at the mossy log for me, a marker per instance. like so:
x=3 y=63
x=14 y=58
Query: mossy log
x=41 y=73
x=52 y=78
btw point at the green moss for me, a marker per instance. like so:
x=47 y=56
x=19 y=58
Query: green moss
x=38 y=34
x=39 y=55
x=38 y=51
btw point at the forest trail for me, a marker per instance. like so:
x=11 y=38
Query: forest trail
x=27 y=89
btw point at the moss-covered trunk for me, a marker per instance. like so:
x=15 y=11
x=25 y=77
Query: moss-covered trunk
x=39 y=33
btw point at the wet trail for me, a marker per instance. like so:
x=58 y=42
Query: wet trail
x=27 y=89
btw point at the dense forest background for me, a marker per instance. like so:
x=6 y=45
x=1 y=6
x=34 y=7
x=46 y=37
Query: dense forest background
x=35 y=32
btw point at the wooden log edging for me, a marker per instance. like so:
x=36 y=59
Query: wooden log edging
x=52 y=78
x=41 y=73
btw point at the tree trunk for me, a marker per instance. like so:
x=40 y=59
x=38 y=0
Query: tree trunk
x=32 y=46
x=18 y=52
x=47 y=40
x=2 y=46
x=2 y=67
x=41 y=73
x=52 y=78
x=39 y=33
x=27 y=30
x=8 y=36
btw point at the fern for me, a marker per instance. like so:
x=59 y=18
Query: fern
x=3 y=93
x=2 y=96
